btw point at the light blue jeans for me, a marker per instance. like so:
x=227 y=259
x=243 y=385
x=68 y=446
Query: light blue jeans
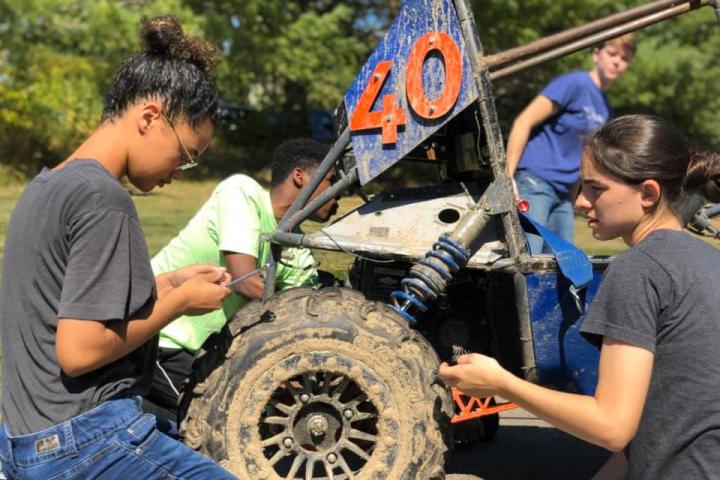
x=113 y=440
x=548 y=207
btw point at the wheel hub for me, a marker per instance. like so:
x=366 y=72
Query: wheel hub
x=317 y=427
x=317 y=422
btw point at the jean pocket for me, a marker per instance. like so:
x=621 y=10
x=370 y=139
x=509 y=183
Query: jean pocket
x=85 y=466
x=139 y=431
x=528 y=179
x=530 y=184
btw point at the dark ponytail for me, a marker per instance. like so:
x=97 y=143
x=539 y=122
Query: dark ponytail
x=171 y=68
x=634 y=148
x=703 y=175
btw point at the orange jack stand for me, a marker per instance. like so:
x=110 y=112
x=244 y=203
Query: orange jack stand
x=474 y=407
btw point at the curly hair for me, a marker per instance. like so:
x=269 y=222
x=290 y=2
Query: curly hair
x=172 y=68
x=303 y=153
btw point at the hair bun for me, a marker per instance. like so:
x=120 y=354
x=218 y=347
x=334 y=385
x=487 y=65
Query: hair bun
x=703 y=174
x=164 y=35
x=158 y=35
x=712 y=189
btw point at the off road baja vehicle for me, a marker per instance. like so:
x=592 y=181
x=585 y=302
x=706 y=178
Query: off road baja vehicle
x=341 y=383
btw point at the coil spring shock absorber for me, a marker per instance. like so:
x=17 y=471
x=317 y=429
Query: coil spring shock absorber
x=429 y=277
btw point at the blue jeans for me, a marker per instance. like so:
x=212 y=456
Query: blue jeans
x=113 y=440
x=548 y=207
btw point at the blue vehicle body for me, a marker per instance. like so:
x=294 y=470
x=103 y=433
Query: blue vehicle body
x=563 y=359
x=416 y=18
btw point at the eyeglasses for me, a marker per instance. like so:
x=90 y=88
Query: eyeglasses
x=189 y=160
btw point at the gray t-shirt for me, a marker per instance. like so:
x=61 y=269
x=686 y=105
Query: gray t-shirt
x=663 y=295
x=74 y=249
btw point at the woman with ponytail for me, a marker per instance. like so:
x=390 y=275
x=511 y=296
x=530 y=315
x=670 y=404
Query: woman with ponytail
x=79 y=307
x=655 y=318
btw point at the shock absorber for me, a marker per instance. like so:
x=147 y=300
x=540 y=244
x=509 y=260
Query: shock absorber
x=429 y=277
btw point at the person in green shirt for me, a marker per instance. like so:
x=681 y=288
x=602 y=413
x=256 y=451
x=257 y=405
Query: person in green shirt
x=227 y=231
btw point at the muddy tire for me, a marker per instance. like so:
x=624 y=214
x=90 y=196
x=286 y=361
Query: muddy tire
x=319 y=385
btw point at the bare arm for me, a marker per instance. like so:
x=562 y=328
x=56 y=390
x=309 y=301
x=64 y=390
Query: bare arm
x=240 y=264
x=610 y=418
x=538 y=110
x=82 y=346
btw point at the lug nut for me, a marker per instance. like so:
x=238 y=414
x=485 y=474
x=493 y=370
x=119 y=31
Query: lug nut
x=331 y=458
x=348 y=413
x=304 y=398
x=287 y=442
x=317 y=426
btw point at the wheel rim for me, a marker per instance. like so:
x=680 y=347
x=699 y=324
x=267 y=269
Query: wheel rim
x=319 y=416
x=318 y=425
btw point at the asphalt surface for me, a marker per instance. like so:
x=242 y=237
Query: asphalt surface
x=526 y=448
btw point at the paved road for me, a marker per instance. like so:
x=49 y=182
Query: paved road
x=526 y=448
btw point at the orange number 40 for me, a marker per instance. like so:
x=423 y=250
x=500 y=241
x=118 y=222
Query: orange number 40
x=392 y=115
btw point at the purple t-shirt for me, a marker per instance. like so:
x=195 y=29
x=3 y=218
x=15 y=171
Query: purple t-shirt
x=554 y=149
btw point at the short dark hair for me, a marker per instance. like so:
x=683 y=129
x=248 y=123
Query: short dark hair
x=172 y=69
x=635 y=148
x=303 y=153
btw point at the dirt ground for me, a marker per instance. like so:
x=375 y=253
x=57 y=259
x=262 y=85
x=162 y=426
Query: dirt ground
x=526 y=448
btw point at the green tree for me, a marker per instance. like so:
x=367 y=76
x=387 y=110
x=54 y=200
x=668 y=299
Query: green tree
x=671 y=75
x=283 y=58
x=674 y=75
x=280 y=52
x=57 y=59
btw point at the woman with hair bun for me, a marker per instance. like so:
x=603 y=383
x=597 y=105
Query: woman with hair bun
x=655 y=316
x=80 y=309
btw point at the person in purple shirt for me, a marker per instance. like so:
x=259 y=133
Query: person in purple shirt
x=546 y=140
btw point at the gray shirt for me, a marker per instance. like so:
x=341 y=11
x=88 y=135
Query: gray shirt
x=663 y=295
x=74 y=249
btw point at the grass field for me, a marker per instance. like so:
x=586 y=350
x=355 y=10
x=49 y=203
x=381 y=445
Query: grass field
x=164 y=212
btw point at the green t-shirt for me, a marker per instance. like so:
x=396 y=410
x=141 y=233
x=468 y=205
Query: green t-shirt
x=235 y=216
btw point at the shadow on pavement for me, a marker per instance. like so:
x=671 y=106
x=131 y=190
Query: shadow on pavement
x=527 y=453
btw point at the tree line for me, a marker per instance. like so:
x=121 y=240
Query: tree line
x=284 y=59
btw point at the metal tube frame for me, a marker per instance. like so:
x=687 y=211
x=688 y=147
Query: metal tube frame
x=511 y=222
x=491 y=126
x=583 y=40
x=579 y=38
x=506 y=57
x=292 y=217
x=299 y=212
